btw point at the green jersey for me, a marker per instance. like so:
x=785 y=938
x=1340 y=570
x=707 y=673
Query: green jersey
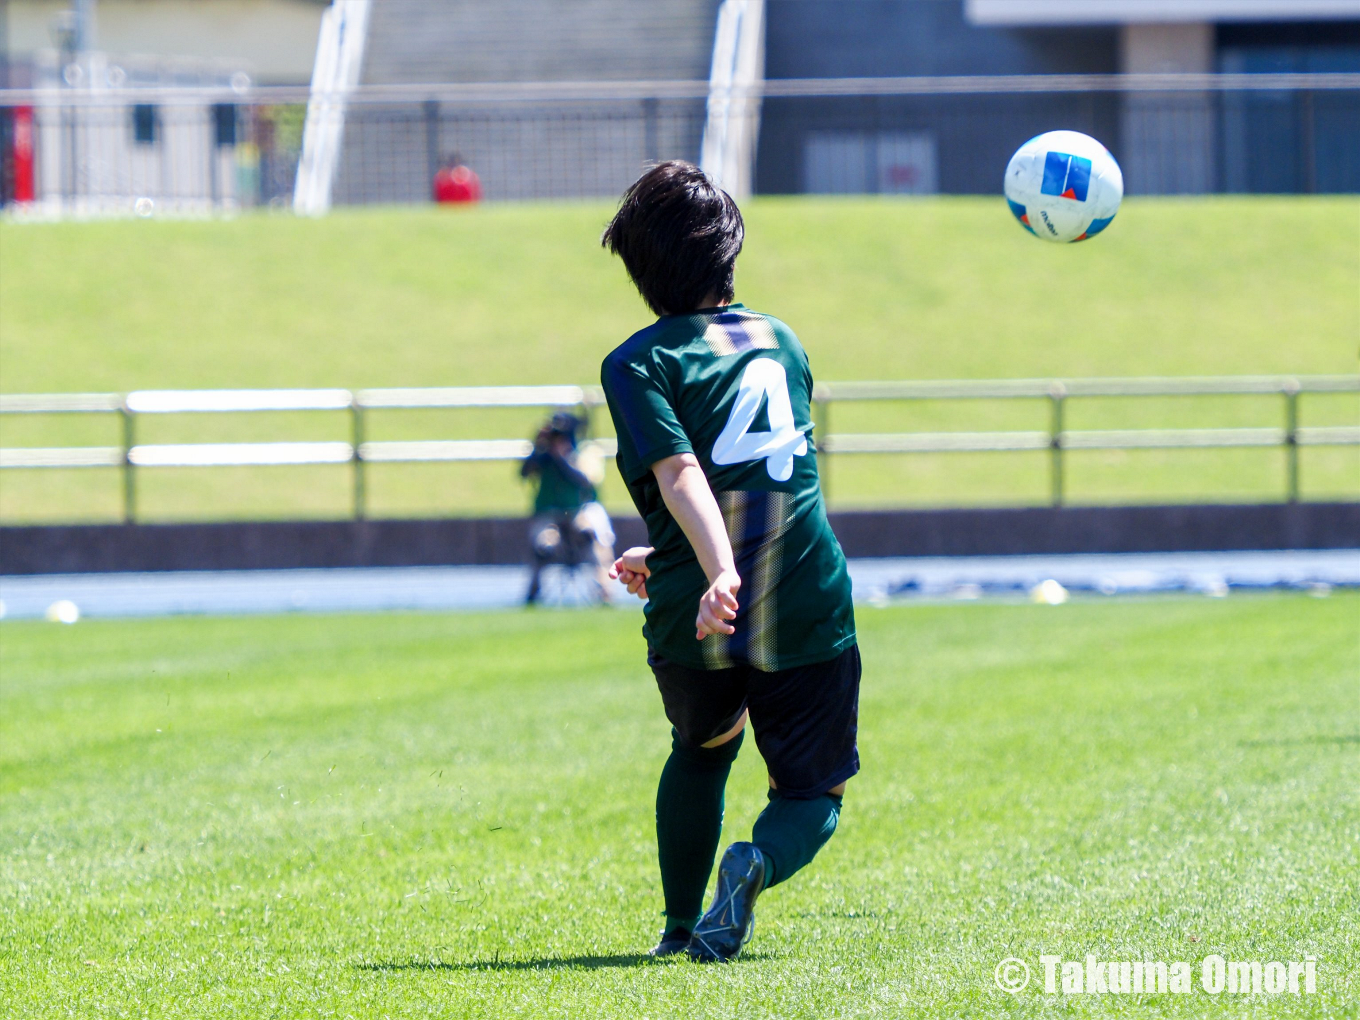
x=732 y=387
x=562 y=486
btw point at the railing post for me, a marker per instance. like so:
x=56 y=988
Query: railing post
x=432 y=154
x=1056 y=393
x=1291 y=439
x=587 y=417
x=821 y=419
x=129 y=478
x=651 y=130
x=356 y=412
x=1308 y=130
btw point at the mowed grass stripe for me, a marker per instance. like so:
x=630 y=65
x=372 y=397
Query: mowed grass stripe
x=876 y=288
x=408 y=815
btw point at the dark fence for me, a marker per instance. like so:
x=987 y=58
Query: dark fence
x=562 y=150
x=1279 y=141
x=158 y=149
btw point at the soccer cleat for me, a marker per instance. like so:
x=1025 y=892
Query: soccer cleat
x=727 y=926
x=672 y=942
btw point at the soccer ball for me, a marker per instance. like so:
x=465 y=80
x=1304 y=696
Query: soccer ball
x=1063 y=186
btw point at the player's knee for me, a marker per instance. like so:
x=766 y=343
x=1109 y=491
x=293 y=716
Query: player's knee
x=732 y=733
x=837 y=791
x=716 y=756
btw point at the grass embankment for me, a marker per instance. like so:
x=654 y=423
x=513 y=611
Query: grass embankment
x=410 y=816
x=877 y=289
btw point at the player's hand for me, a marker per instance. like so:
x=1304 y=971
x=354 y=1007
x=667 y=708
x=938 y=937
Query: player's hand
x=717 y=606
x=631 y=569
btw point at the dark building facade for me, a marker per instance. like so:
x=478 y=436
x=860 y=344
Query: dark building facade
x=1167 y=143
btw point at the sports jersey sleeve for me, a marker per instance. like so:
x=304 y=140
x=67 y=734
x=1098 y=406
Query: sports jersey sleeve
x=644 y=415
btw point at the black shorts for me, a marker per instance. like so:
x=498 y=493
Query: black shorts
x=805 y=718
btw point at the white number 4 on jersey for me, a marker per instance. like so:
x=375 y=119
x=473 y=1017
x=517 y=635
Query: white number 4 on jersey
x=764 y=378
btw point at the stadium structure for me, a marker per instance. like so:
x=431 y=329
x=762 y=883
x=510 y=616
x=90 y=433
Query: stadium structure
x=555 y=99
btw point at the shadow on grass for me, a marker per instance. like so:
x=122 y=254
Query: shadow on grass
x=542 y=963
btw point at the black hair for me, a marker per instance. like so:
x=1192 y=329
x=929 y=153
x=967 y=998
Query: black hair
x=564 y=424
x=679 y=235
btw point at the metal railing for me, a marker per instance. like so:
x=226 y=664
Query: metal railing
x=359 y=451
x=1058 y=439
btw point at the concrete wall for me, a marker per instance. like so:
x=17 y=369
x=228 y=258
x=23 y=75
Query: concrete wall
x=519 y=151
x=817 y=39
x=538 y=40
x=274 y=40
x=257 y=545
x=1167 y=140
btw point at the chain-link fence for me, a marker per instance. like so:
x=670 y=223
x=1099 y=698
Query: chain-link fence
x=202 y=149
x=572 y=149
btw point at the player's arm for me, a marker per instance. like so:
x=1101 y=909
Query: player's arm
x=688 y=497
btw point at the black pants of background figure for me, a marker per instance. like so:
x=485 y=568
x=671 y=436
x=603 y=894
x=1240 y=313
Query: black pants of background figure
x=805 y=718
x=569 y=538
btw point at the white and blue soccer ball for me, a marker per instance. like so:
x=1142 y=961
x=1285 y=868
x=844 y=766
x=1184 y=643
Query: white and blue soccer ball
x=1064 y=186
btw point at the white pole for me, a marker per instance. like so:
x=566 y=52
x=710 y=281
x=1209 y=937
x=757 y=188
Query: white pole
x=85 y=25
x=733 y=124
x=335 y=73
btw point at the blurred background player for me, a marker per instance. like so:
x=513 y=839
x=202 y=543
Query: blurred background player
x=569 y=526
x=456 y=183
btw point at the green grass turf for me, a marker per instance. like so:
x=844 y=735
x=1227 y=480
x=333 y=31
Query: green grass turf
x=876 y=288
x=443 y=815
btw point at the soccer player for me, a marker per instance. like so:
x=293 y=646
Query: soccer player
x=568 y=523
x=748 y=599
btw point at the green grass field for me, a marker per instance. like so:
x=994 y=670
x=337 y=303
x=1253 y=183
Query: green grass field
x=876 y=288
x=434 y=815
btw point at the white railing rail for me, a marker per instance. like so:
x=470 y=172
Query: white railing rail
x=218 y=401
x=484 y=396
x=359 y=451
x=356 y=451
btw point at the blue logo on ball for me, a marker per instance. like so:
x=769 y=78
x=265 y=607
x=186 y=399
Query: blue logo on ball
x=1066 y=176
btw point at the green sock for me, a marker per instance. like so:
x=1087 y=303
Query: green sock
x=689 y=817
x=673 y=923
x=789 y=832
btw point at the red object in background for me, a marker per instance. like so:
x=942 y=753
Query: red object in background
x=457 y=184
x=23 y=154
